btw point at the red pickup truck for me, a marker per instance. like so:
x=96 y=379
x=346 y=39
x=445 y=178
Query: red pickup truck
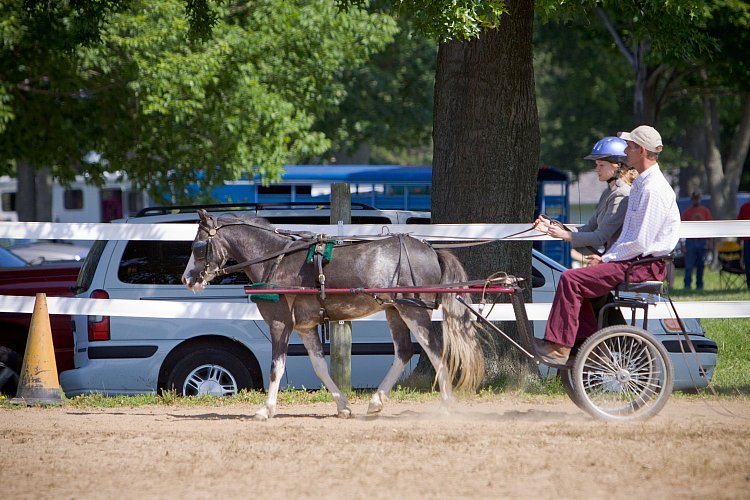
x=56 y=279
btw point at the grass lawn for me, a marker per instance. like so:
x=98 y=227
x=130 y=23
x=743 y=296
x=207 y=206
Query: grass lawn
x=732 y=335
x=732 y=376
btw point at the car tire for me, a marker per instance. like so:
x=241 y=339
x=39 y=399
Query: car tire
x=10 y=371
x=209 y=371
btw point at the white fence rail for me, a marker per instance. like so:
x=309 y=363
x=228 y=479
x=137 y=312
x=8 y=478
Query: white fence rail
x=436 y=232
x=248 y=311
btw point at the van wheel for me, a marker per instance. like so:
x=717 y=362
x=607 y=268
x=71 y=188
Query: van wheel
x=213 y=370
x=10 y=371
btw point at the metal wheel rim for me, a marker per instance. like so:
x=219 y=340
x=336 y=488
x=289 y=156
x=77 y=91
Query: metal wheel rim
x=623 y=375
x=213 y=380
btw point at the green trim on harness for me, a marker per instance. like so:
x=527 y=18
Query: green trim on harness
x=271 y=297
x=327 y=251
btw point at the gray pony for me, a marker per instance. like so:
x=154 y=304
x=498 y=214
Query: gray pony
x=280 y=257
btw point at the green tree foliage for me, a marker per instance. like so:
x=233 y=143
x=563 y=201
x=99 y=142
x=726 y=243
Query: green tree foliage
x=568 y=58
x=388 y=101
x=444 y=21
x=42 y=103
x=723 y=80
x=248 y=97
x=690 y=74
x=160 y=106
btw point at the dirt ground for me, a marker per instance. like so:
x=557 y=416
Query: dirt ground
x=502 y=447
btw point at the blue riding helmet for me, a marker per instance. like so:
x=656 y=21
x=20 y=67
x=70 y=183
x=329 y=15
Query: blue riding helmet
x=610 y=149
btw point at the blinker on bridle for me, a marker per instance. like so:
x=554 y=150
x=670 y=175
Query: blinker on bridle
x=204 y=250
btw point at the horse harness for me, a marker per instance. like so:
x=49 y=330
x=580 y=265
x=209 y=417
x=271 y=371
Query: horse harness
x=320 y=252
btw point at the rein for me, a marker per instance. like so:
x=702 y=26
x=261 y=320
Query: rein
x=290 y=248
x=303 y=239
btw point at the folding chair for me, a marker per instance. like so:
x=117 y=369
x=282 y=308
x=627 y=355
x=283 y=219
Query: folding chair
x=731 y=272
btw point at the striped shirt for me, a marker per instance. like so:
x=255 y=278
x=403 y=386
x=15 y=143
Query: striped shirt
x=652 y=222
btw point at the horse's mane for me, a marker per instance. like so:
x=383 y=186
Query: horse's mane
x=237 y=218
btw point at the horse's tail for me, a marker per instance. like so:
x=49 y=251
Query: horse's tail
x=462 y=352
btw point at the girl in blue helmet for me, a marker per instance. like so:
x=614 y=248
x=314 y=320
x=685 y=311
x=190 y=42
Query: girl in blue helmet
x=603 y=228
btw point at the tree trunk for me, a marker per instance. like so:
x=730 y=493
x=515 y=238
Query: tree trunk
x=33 y=193
x=693 y=177
x=486 y=139
x=724 y=176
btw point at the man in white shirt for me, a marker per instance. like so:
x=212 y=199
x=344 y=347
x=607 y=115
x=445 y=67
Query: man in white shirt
x=650 y=229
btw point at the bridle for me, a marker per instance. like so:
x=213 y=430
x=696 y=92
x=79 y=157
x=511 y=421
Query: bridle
x=205 y=249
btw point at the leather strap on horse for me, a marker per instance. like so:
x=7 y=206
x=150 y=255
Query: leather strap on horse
x=268 y=278
x=410 y=301
x=295 y=246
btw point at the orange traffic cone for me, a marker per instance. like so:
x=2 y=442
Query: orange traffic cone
x=38 y=383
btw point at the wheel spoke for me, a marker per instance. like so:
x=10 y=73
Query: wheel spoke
x=193 y=382
x=603 y=363
x=215 y=373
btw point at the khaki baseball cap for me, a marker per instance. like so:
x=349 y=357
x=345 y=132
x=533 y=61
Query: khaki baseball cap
x=644 y=136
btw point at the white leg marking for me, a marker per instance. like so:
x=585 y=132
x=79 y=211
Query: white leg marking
x=268 y=410
x=312 y=344
x=384 y=389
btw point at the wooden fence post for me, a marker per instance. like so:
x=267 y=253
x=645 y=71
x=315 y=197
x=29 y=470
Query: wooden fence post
x=341 y=331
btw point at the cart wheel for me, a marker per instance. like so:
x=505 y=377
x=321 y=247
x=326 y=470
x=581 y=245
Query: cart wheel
x=622 y=373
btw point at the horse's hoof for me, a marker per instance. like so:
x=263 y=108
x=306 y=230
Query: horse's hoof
x=345 y=413
x=445 y=410
x=261 y=415
x=374 y=407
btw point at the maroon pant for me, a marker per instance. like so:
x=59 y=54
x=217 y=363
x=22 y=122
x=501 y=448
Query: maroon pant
x=572 y=315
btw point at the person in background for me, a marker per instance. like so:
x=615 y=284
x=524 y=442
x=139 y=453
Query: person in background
x=651 y=228
x=695 y=248
x=745 y=215
x=603 y=228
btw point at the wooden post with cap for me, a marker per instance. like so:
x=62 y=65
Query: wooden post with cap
x=341 y=331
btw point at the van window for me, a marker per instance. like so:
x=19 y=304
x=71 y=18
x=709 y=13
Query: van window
x=111 y=204
x=135 y=202
x=73 y=199
x=86 y=274
x=9 y=202
x=418 y=220
x=162 y=263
